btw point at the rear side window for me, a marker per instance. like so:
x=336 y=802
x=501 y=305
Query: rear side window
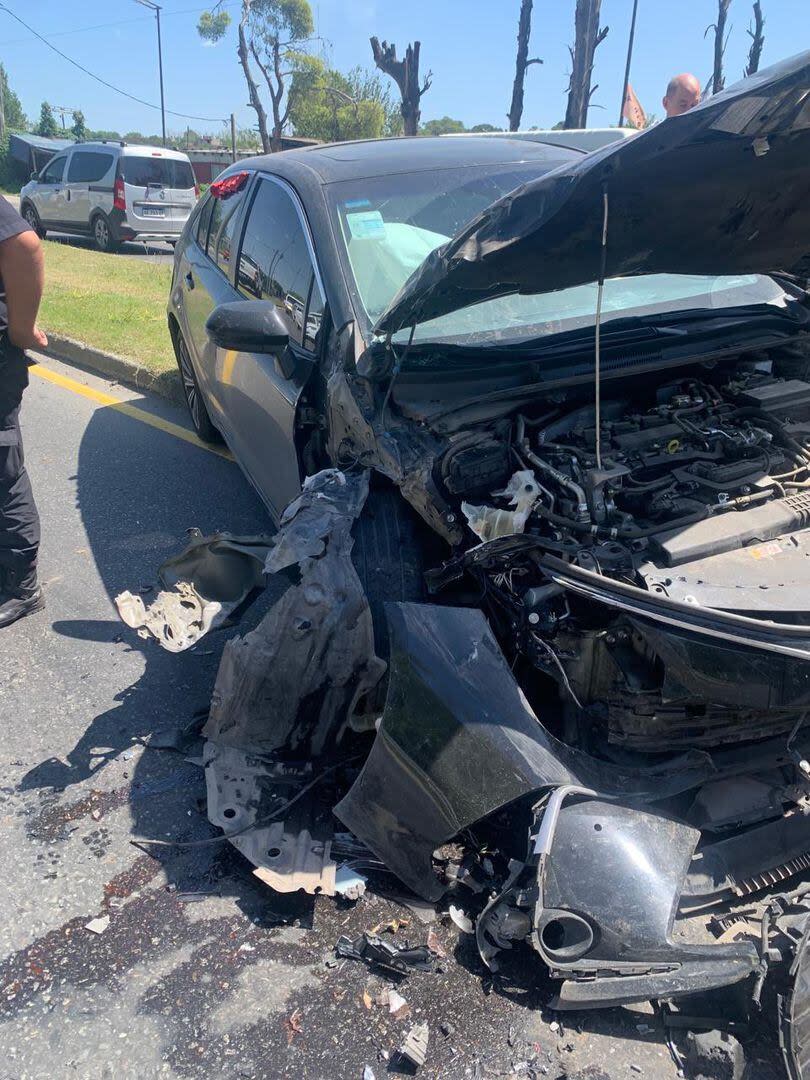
x=274 y=262
x=203 y=220
x=88 y=166
x=225 y=239
x=54 y=171
x=161 y=172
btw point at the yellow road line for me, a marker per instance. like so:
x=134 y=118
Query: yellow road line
x=124 y=407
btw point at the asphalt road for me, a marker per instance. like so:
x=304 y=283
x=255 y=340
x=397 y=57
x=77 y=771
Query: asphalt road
x=201 y=971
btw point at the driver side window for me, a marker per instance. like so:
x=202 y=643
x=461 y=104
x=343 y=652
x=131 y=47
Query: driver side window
x=275 y=265
x=54 y=171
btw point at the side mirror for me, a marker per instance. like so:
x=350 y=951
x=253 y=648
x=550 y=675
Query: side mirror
x=34 y=175
x=248 y=326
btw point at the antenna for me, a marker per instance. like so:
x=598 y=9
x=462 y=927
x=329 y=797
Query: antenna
x=600 y=288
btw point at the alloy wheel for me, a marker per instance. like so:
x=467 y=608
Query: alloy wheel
x=189 y=383
x=101 y=231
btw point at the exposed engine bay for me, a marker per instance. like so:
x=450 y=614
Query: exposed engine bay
x=696 y=491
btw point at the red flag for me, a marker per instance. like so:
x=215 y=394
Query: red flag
x=632 y=111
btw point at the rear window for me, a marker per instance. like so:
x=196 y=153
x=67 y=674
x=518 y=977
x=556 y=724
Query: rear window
x=165 y=172
x=87 y=166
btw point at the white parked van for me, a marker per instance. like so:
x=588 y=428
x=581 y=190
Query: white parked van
x=112 y=192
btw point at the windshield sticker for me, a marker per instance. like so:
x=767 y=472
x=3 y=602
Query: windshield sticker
x=367 y=225
x=355 y=204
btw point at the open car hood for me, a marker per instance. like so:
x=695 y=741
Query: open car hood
x=722 y=189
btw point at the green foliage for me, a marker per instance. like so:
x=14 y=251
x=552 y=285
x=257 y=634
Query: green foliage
x=100 y=134
x=79 y=128
x=280 y=21
x=13 y=174
x=482 y=128
x=327 y=105
x=370 y=86
x=47 y=122
x=445 y=126
x=16 y=120
x=212 y=25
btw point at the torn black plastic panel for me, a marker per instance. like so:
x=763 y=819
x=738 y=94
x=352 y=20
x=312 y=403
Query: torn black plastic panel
x=294 y=683
x=458 y=740
x=722 y=189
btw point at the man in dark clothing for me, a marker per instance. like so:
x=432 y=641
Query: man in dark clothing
x=21 y=282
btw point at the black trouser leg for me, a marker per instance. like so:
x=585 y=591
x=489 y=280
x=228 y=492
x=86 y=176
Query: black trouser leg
x=19 y=520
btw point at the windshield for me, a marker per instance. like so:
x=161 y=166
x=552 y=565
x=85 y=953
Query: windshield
x=166 y=172
x=388 y=225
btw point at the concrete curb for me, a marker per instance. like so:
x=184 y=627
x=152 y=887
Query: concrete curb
x=166 y=385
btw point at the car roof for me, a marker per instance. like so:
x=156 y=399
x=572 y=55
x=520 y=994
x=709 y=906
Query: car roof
x=133 y=149
x=388 y=157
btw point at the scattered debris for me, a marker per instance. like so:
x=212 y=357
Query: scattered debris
x=714 y=1055
x=461 y=919
x=368 y=1073
x=435 y=945
x=292 y=1025
x=348 y=883
x=367 y=999
x=447 y=1029
x=391 y=926
x=414 y=1048
x=98 y=926
x=203 y=586
x=375 y=952
x=397 y=1005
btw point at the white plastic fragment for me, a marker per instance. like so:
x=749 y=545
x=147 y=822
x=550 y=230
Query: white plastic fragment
x=349 y=883
x=368 y=1073
x=396 y=1002
x=414 y=1048
x=98 y=926
x=487 y=522
x=461 y=919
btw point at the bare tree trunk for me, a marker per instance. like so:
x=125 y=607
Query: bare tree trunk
x=253 y=90
x=405 y=74
x=757 y=36
x=587 y=37
x=521 y=63
x=720 y=41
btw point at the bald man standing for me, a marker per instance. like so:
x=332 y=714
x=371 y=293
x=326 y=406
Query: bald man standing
x=683 y=94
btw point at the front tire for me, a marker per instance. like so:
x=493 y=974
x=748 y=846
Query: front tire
x=197 y=409
x=103 y=235
x=33 y=219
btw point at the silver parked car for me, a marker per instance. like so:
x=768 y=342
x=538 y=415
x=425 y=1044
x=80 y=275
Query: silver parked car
x=112 y=192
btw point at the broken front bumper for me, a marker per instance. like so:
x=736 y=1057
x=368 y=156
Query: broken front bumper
x=458 y=741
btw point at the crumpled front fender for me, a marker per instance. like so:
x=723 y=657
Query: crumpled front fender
x=458 y=741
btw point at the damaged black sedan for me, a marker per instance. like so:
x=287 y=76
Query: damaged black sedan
x=547 y=641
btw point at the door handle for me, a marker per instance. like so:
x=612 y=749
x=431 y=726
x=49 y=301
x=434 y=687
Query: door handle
x=68 y=195
x=189 y=280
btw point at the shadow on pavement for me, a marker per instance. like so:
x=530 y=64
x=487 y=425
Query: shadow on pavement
x=138 y=490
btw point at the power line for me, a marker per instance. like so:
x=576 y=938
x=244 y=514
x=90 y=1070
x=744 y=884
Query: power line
x=98 y=79
x=109 y=25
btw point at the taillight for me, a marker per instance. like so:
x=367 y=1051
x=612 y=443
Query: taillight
x=221 y=189
x=119 y=197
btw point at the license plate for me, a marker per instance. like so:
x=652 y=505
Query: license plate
x=152 y=211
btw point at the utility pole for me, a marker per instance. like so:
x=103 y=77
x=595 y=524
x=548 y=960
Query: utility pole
x=629 y=58
x=233 y=137
x=157 y=9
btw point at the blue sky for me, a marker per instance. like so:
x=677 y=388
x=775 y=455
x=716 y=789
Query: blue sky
x=469 y=45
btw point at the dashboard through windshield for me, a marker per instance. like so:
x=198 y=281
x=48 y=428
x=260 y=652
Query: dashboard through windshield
x=386 y=226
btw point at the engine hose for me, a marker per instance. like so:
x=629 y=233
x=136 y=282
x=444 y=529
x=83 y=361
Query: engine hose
x=632 y=532
x=750 y=413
